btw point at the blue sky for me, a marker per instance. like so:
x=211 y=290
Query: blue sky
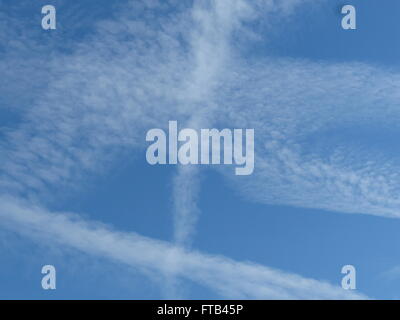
x=76 y=191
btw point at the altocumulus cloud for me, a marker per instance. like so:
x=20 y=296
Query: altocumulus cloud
x=158 y=61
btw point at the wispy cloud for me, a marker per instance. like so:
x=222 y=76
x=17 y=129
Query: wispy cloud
x=212 y=53
x=151 y=66
x=227 y=277
x=325 y=134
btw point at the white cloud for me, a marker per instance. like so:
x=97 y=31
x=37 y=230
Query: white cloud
x=228 y=277
x=315 y=126
x=151 y=66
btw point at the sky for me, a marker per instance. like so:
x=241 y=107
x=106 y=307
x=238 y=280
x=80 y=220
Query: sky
x=76 y=191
